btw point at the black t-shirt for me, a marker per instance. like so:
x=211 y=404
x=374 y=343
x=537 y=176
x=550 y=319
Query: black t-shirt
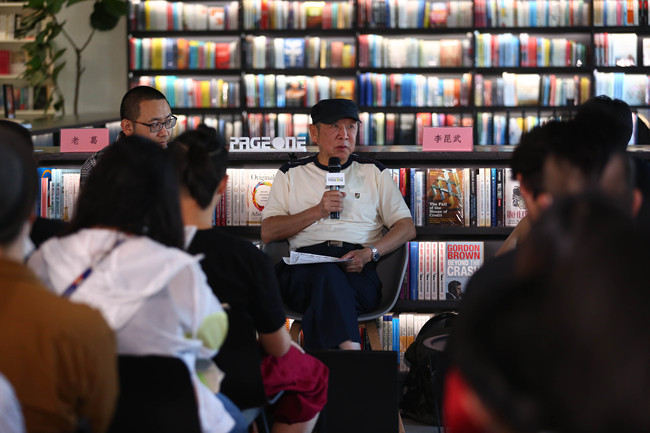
x=242 y=276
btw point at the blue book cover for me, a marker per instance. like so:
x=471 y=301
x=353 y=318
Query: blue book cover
x=294 y=53
x=414 y=256
x=169 y=45
x=369 y=85
x=193 y=62
x=362 y=88
x=43 y=173
x=260 y=89
x=396 y=336
x=532 y=9
x=406 y=91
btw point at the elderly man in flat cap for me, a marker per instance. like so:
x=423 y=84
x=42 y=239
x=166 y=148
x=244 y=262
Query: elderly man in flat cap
x=348 y=223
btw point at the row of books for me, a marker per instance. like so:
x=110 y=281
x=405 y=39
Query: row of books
x=377 y=51
x=441 y=270
x=195 y=93
x=290 y=15
x=294 y=91
x=492 y=50
x=413 y=90
x=398 y=331
x=411 y=14
x=179 y=16
x=8 y=25
x=246 y=194
x=615 y=49
x=461 y=197
x=279 y=14
x=520 y=90
x=278 y=125
x=508 y=50
x=227 y=125
x=531 y=13
x=310 y=52
x=620 y=13
x=58 y=192
x=505 y=128
x=631 y=88
x=180 y=53
x=379 y=129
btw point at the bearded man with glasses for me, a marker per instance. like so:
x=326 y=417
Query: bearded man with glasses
x=144 y=111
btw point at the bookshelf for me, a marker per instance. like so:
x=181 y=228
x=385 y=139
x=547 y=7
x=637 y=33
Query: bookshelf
x=254 y=67
x=28 y=103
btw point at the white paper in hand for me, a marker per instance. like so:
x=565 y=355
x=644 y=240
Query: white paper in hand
x=296 y=258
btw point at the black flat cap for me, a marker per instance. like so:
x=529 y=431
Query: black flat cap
x=330 y=110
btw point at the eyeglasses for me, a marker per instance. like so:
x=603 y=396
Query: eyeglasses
x=157 y=126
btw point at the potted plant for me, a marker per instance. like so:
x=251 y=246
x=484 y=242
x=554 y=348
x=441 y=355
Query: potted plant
x=44 y=62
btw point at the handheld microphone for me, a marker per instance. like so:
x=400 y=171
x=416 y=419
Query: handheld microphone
x=335 y=179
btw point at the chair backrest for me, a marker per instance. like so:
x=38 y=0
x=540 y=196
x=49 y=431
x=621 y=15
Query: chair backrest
x=240 y=358
x=276 y=250
x=156 y=394
x=391 y=269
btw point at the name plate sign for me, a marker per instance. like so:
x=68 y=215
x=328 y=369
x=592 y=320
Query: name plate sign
x=268 y=144
x=84 y=139
x=448 y=139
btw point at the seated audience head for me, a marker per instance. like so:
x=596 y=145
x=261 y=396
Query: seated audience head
x=201 y=160
x=563 y=348
x=18 y=195
x=606 y=122
x=334 y=128
x=527 y=164
x=132 y=189
x=144 y=111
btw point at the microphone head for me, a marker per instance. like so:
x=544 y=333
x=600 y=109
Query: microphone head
x=334 y=164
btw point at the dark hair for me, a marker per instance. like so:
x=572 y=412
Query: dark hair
x=20 y=186
x=529 y=156
x=201 y=160
x=564 y=347
x=133 y=188
x=130 y=106
x=453 y=285
x=606 y=122
x=16 y=132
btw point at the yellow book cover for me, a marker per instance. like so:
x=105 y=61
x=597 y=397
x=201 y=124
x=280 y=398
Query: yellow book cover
x=156 y=53
x=205 y=94
x=349 y=58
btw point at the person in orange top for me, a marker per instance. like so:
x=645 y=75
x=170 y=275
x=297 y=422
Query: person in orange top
x=59 y=356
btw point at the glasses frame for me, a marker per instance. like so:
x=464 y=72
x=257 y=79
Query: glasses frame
x=158 y=126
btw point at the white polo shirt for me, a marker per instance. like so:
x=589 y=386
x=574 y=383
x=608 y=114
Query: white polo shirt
x=372 y=200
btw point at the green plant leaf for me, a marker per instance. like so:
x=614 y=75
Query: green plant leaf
x=101 y=19
x=117 y=8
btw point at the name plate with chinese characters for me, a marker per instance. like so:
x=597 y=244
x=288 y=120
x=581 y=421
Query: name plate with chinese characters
x=447 y=139
x=84 y=139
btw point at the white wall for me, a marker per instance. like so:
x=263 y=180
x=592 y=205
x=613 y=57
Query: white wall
x=104 y=81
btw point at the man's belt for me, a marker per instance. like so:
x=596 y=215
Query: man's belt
x=342 y=244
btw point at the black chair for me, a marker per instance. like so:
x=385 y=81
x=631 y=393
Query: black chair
x=156 y=395
x=240 y=358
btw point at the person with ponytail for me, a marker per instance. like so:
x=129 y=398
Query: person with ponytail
x=242 y=276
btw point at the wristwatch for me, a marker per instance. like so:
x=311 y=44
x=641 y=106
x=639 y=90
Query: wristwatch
x=375 y=253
